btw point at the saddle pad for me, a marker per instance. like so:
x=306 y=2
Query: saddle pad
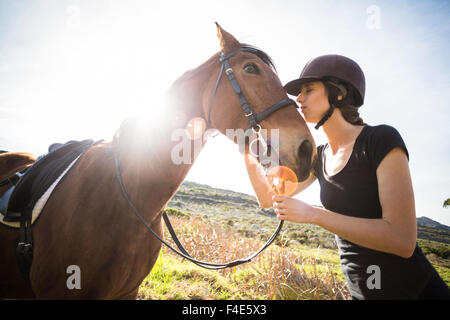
x=42 y=176
x=37 y=209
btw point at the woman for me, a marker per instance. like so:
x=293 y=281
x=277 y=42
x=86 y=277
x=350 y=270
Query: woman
x=366 y=188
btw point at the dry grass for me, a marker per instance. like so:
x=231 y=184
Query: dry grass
x=278 y=273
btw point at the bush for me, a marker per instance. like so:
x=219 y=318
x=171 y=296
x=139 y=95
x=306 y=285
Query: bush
x=177 y=213
x=442 y=250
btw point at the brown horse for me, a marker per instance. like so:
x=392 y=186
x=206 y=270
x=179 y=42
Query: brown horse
x=12 y=162
x=87 y=222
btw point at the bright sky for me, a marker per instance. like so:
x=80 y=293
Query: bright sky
x=75 y=69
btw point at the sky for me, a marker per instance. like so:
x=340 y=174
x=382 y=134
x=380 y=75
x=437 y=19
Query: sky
x=74 y=69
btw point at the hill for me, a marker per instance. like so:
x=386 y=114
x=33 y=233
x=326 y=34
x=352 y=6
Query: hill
x=242 y=211
x=427 y=222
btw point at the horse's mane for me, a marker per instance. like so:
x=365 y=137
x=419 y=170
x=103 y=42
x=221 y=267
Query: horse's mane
x=133 y=133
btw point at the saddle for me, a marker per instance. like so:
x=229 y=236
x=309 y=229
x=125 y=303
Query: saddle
x=34 y=181
x=17 y=203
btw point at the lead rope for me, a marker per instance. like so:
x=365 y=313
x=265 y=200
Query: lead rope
x=183 y=252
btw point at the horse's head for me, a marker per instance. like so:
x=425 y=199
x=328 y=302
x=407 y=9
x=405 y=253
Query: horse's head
x=261 y=104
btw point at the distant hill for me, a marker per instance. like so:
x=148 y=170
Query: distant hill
x=243 y=212
x=429 y=229
x=427 y=222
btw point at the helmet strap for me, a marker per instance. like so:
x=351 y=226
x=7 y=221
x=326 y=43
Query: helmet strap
x=326 y=116
x=340 y=87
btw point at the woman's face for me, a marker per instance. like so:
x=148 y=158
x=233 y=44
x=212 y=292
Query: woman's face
x=313 y=101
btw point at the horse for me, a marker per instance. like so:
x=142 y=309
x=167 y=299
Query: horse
x=87 y=224
x=12 y=162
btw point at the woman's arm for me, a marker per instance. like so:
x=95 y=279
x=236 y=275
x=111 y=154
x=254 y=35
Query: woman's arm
x=264 y=191
x=395 y=232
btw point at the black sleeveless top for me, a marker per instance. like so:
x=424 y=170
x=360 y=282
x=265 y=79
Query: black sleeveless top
x=353 y=191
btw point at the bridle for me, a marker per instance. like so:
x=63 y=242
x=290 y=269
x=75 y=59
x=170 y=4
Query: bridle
x=254 y=119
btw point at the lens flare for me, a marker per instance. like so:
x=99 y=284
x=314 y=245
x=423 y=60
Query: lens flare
x=283 y=180
x=195 y=128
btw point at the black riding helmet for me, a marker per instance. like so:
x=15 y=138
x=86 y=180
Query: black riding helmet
x=328 y=68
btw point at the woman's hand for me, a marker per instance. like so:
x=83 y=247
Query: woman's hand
x=291 y=209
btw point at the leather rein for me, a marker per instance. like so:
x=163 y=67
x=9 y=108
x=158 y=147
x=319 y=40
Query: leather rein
x=254 y=119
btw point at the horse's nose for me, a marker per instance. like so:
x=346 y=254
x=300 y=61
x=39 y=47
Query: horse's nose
x=305 y=151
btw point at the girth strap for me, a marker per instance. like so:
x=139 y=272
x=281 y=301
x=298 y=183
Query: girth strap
x=24 y=246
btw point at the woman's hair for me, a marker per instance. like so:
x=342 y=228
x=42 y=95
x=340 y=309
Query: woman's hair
x=347 y=104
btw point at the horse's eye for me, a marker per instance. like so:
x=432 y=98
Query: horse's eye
x=251 y=68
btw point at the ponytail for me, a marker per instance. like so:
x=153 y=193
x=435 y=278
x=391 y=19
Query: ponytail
x=347 y=105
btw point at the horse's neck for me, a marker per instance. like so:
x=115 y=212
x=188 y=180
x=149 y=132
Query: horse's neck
x=162 y=164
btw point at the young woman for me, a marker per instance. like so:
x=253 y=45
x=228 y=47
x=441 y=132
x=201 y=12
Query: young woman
x=365 y=184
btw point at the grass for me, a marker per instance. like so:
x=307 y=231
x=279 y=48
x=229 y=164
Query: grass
x=440 y=249
x=295 y=272
x=174 y=279
x=220 y=226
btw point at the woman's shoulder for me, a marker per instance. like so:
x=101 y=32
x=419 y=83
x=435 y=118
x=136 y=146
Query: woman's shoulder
x=380 y=140
x=381 y=130
x=373 y=135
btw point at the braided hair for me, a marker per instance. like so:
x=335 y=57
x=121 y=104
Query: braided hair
x=347 y=105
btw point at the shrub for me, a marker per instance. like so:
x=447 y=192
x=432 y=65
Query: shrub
x=177 y=213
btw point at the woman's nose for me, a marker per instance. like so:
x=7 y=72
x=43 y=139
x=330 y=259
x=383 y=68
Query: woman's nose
x=300 y=98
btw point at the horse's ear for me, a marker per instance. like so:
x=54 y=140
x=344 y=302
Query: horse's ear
x=228 y=43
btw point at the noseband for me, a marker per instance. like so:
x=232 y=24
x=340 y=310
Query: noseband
x=253 y=117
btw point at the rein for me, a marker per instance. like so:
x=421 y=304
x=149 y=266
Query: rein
x=184 y=253
x=254 y=119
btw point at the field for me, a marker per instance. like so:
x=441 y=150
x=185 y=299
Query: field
x=281 y=272
x=219 y=226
